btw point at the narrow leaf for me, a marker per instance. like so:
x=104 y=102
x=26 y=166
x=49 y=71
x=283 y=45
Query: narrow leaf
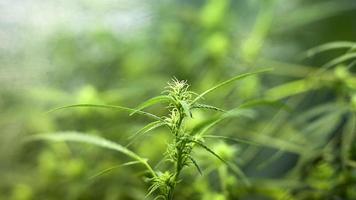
x=340 y=59
x=102 y=172
x=277 y=143
x=196 y=165
x=202 y=128
x=235 y=168
x=232 y=139
x=329 y=46
x=149 y=127
x=262 y=102
x=151 y=102
x=107 y=107
x=209 y=150
x=94 y=140
x=290 y=89
x=241 y=76
x=317 y=111
x=209 y=107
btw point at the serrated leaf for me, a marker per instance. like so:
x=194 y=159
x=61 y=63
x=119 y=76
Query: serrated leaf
x=107 y=107
x=93 y=140
x=151 y=102
x=241 y=76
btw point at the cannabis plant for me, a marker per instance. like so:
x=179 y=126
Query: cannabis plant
x=181 y=103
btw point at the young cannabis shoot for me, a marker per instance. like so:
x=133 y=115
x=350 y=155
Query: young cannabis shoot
x=181 y=103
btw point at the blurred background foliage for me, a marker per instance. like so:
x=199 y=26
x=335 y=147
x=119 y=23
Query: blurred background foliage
x=54 y=53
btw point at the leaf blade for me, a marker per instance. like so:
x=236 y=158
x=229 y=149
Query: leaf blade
x=209 y=107
x=72 y=136
x=100 y=173
x=195 y=163
x=229 y=81
x=107 y=107
x=151 y=102
x=149 y=127
x=235 y=168
x=329 y=46
x=340 y=59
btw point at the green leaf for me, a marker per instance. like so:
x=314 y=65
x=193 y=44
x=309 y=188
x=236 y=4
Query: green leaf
x=241 y=110
x=266 y=102
x=151 y=102
x=290 y=89
x=196 y=165
x=203 y=127
x=209 y=107
x=152 y=189
x=316 y=111
x=208 y=149
x=312 y=13
x=270 y=160
x=107 y=107
x=241 y=76
x=276 y=143
x=330 y=46
x=320 y=127
x=235 y=168
x=94 y=140
x=232 y=139
x=114 y=167
x=160 y=197
x=149 y=127
x=340 y=59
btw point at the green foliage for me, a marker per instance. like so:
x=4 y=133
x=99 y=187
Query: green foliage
x=94 y=140
x=181 y=102
x=289 y=134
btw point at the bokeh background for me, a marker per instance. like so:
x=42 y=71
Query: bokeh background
x=121 y=52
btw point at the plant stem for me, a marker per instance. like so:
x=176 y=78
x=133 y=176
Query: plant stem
x=180 y=151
